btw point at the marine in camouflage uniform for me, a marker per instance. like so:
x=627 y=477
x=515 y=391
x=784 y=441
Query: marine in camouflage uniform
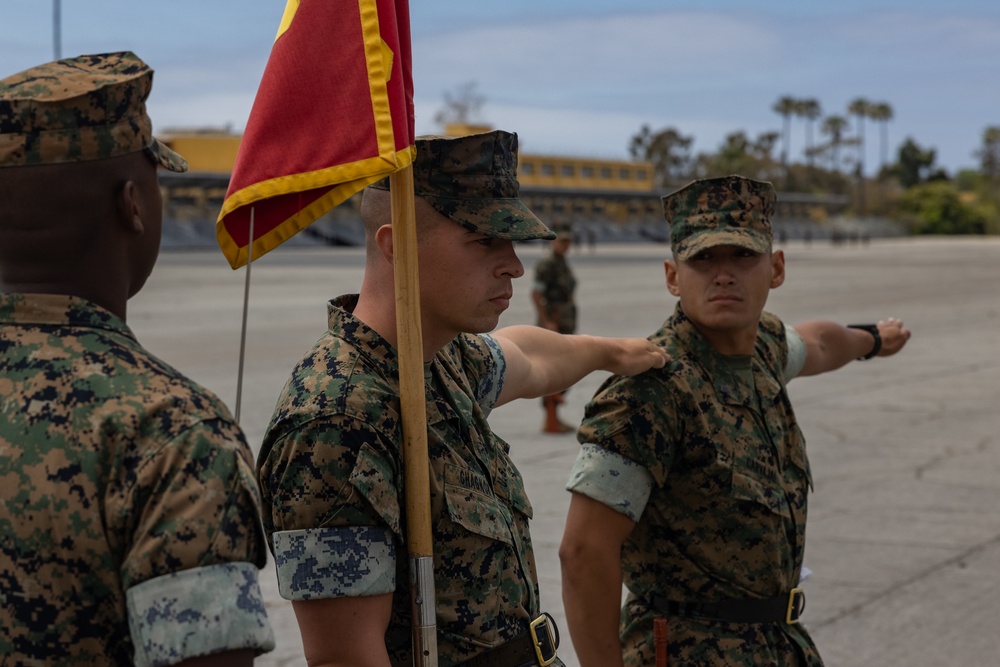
x=332 y=468
x=331 y=465
x=725 y=516
x=699 y=469
x=555 y=285
x=129 y=518
x=552 y=295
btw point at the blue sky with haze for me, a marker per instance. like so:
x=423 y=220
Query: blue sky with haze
x=581 y=77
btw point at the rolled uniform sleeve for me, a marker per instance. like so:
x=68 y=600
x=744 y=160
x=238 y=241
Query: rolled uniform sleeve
x=796 y=353
x=332 y=510
x=197 y=612
x=191 y=574
x=611 y=479
x=491 y=375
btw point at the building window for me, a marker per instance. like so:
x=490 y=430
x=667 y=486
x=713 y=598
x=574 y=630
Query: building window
x=605 y=172
x=587 y=172
x=640 y=174
x=548 y=170
x=567 y=170
x=528 y=168
x=624 y=174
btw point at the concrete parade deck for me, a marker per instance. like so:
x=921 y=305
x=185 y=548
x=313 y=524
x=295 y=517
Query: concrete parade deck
x=904 y=523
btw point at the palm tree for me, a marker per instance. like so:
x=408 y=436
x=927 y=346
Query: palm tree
x=881 y=112
x=860 y=107
x=989 y=155
x=810 y=110
x=785 y=107
x=834 y=126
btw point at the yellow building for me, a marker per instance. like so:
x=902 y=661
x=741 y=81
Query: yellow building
x=207 y=150
x=213 y=151
x=560 y=189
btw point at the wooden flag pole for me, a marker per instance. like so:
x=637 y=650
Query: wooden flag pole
x=413 y=403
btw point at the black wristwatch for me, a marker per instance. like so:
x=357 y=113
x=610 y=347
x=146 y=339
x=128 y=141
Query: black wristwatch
x=873 y=330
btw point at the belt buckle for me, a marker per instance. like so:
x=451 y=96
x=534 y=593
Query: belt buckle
x=546 y=641
x=796 y=605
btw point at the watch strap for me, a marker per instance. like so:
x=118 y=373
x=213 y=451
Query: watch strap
x=873 y=330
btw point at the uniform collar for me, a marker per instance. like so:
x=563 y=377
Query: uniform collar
x=59 y=310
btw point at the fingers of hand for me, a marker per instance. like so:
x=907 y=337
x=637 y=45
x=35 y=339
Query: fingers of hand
x=893 y=333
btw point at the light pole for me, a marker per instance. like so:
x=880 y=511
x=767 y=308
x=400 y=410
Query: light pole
x=57 y=28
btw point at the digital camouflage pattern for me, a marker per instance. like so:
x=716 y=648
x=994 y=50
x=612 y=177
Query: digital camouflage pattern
x=472 y=180
x=116 y=471
x=731 y=210
x=555 y=281
x=85 y=108
x=726 y=515
x=331 y=465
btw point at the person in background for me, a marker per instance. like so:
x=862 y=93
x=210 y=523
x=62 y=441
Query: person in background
x=552 y=294
x=130 y=526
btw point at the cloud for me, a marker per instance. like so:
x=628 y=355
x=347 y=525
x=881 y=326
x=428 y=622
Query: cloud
x=592 y=81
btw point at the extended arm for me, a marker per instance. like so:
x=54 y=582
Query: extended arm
x=346 y=631
x=830 y=345
x=590 y=555
x=541 y=362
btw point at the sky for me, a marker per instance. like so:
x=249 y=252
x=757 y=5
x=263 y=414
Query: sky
x=581 y=77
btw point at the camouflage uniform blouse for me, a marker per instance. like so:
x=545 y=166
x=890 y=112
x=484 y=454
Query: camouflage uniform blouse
x=721 y=456
x=129 y=526
x=555 y=281
x=331 y=471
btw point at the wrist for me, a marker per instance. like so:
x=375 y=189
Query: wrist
x=873 y=330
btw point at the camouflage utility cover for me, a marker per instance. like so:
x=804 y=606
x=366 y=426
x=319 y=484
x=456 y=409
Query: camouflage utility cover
x=720 y=211
x=726 y=515
x=556 y=283
x=472 y=180
x=127 y=490
x=331 y=472
x=86 y=108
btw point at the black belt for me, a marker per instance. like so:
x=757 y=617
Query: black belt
x=786 y=608
x=537 y=646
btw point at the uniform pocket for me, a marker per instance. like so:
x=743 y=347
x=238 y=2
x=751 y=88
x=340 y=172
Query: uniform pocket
x=747 y=488
x=474 y=556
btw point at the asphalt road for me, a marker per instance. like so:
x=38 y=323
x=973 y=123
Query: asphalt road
x=904 y=527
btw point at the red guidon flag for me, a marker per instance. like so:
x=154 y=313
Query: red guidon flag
x=333 y=113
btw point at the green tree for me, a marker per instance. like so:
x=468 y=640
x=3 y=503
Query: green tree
x=937 y=208
x=882 y=113
x=916 y=165
x=989 y=157
x=668 y=150
x=738 y=154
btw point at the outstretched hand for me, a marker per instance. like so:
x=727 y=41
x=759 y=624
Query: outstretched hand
x=635 y=355
x=894 y=336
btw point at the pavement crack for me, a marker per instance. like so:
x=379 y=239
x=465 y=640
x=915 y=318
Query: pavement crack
x=957 y=561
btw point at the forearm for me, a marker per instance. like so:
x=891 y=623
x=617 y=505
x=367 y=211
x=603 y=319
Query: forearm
x=592 y=603
x=542 y=362
x=590 y=556
x=831 y=345
x=592 y=593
